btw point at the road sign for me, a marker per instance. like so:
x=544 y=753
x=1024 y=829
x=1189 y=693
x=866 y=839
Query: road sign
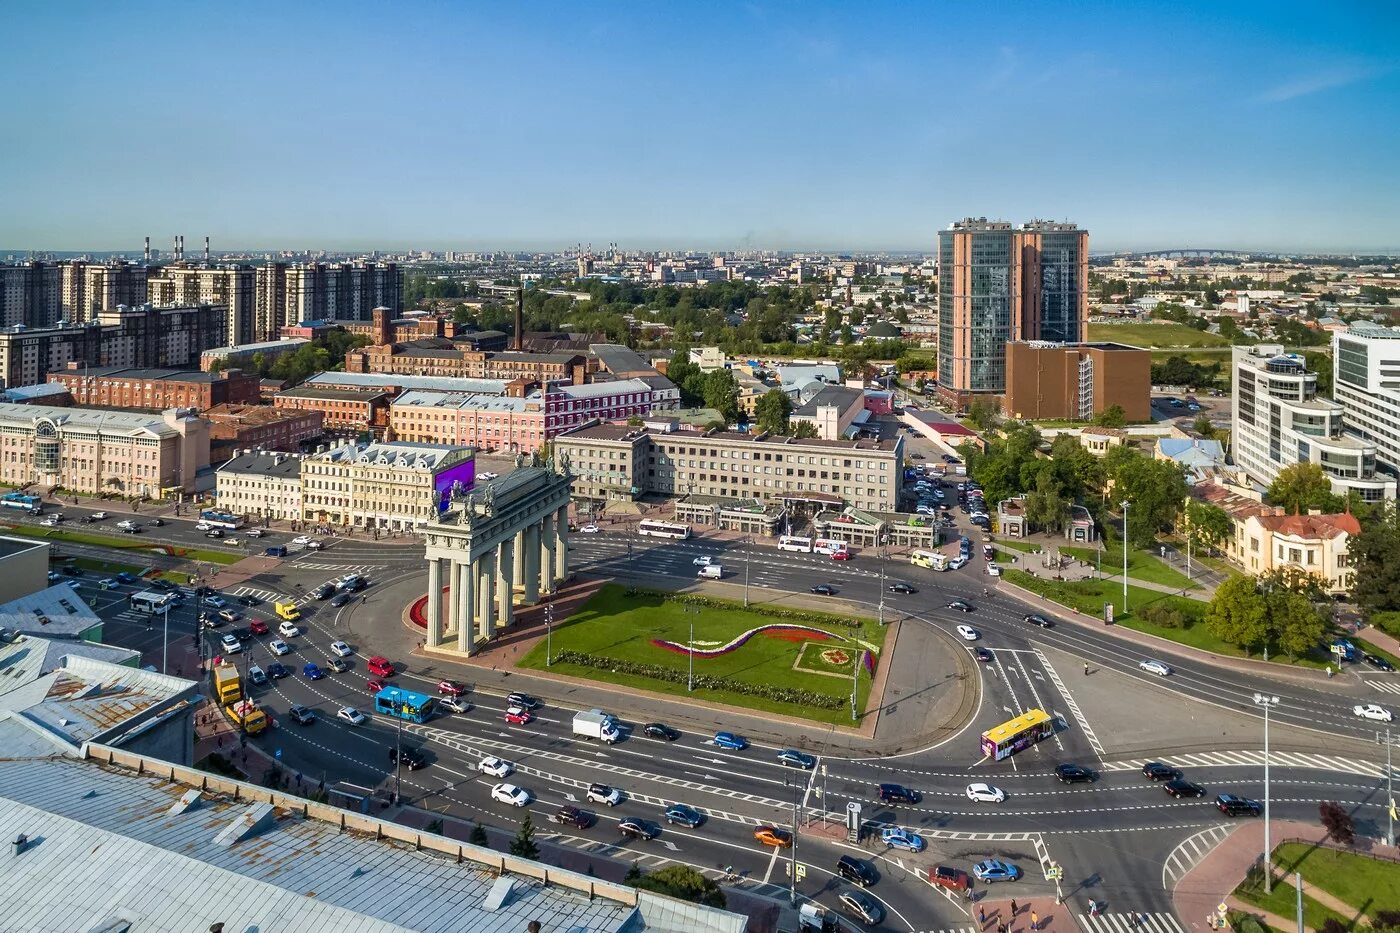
x=1055 y=873
x=801 y=871
x=1221 y=908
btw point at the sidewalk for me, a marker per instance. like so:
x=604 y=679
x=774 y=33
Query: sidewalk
x=1050 y=917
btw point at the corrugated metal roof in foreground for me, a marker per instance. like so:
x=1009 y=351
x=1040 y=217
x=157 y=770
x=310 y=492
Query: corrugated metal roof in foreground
x=108 y=848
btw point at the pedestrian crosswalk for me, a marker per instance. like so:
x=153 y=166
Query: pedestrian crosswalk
x=267 y=596
x=1386 y=686
x=1256 y=757
x=1190 y=852
x=1130 y=922
x=341 y=568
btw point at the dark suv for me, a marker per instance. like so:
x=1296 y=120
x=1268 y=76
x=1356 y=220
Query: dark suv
x=1231 y=805
x=856 y=871
x=898 y=793
x=410 y=758
x=570 y=815
x=1074 y=774
x=1156 y=771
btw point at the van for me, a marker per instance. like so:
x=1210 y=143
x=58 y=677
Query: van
x=276 y=551
x=711 y=572
x=287 y=611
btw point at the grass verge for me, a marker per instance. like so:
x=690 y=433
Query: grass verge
x=1156 y=334
x=624 y=628
x=124 y=544
x=1141 y=565
x=1371 y=648
x=1370 y=885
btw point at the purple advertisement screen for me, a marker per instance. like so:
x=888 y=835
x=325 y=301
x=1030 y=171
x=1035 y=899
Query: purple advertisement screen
x=463 y=473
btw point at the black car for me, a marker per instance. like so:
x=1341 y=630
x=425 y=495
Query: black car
x=411 y=757
x=248 y=600
x=302 y=715
x=276 y=671
x=983 y=655
x=244 y=635
x=657 y=730
x=1074 y=774
x=961 y=605
x=856 y=871
x=524 y=701
x=340 y=599
x=1232 y=805
x=157 y=523
x=131 y=530
x=1378 y=662
x=633 y=828
x=324 y=591
x=902 y=588
x=164 y=586
x=1036 y=619
x=1156 y=771
x=570 y=815
x=202 y=591
x=1180 y=787
x=824 y=589
x=898 y=793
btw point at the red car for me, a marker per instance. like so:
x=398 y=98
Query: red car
x=257 y=626
x=376 y=685
x=840 y=555
x=518 y=716
x=381 y=666
x=451 y=688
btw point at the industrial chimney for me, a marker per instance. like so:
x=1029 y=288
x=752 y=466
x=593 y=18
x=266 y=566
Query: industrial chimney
x=148 y=249
x=175 y=248
x=206 y=251
x=520 y=317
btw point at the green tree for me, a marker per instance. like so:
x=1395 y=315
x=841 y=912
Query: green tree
x=1207 y=524
x=804 y=429
x=984 y=414
x=1077 y=469
x=681 y=882
x=856 y=317
x=771 y=412
x=1238 y=613
x=524 y=845
x=1375 y=555
x=1295 y=625
x=216 y=367
x=721 y=393
x=1321 y=363
x=1047 y=507
x=1299 y=487
x=1112 y=417
x=1154 y=489
x=478 y=836
x=1203 y=427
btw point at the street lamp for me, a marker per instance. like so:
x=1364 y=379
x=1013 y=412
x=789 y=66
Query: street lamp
x=1267 y=702
x=1125 y=556
x=165 y=635
x=549 y=634
x=880 y=556
x=690 y=612
x=1389 y=792
x=792 y=868
x=748 y=546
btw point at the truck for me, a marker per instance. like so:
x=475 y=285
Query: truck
x=596 y=724
x=287 y=611
x=228 y=686
x=813 y=918
x=711 y=572
x=247 y=715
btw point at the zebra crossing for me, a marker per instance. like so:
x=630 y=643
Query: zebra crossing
x=267 y=596
x=1386 y=686
x=1256 y=758
x=955 y=930
x=1190 y=852
x=342 y=568
x=1130 y=922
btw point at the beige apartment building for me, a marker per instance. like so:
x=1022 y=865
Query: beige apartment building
x=233 y=287
x=611 y=461
x=1312 y=544
x=393 y=486
x=260 y=484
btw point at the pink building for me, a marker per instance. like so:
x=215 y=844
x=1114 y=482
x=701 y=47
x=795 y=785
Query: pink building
x=879 y=402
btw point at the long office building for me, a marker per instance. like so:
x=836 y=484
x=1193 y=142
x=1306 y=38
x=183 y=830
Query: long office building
x=998 y=283
x=289 y=293
x=1366 y=383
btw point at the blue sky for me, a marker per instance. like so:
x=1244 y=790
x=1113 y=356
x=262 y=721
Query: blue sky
x=777 y=125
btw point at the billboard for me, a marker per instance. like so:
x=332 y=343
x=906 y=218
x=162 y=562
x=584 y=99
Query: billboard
x=457 y=479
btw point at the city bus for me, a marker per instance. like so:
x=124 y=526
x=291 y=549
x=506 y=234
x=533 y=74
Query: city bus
x=19 y=500
x=405 y=704
x=662 y=529
x=933 y=560
x=1015 y=734
x=795 y=543
x=220 y=519
x=829 y=546
x=151 y=601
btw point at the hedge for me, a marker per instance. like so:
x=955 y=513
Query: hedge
x=702 y=681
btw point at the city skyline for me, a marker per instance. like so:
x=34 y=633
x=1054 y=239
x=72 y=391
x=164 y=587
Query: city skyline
x=752 y=129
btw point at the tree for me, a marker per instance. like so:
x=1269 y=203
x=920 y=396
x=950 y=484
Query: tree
x=635 y=421
x=1112 y=417
x=1299 y=487
x=1046 y=505
x=216 y=367
x=1320 y=363
x=771 y=412
x=1154 y=489
x=682 y=882
x=721 y=393
x=1207 y=524
x=1295 y=625
x=804 y=429
x=523 y=845
x=1337 y=821
x=478 y=836
x=984 y=415
x=1238 y=613
x=1203 y=427
x=1375 y=553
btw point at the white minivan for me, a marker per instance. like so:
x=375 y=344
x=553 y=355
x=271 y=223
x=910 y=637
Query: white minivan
x=711 y=572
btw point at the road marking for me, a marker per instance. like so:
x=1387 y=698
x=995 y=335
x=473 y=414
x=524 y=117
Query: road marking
x=1253 y=758
x=1084 y=726
x=1035 y=694
x=1387 y=686
x=1123 y=923
x=1190 y=852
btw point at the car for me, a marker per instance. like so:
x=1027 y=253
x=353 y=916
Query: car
x=302 y=715
x=571 y=815
x=864 y=909
x=684 y=814
x=312 y=671
x=1156 y=771
x=898 y=793
x=455 y=704
x=604 y=794
x=524 y=701
x=702 y=561
x=729 y=740
x=772 y=836
x=157 y=523
x=338 y=665
x=983 y=655
x=350 y=715
x=856 y=870
x=340 y=599
x=374 y=686
x=1175 y=403
x=1180 y=787
x=658 y=730
x=634 y=828
x=1037 y=619
x=518 y=716
x=243 y=635
x=132 y=530
x=203 y=526
x=985 y=793
x=380 y=666
x=994 y=869
x=257 y=675
x=279 y=647
x=897 y=838
x=840 y=555
x=301 y=541
x=231 y=644
x=903 y=588
x=945 y=876
x=1234 y=805
x=589 y=529
x=1372 y=711
x=249 y=601
x=968 y=633
x=230 y=615
x=792 y=758
x=496 y=767
x=288 y=630
x=126 y=577
x=1375 y=660
x=215 y=600
x=1073 y=774
x=509 y=793
x=351 y=583
x=50 y=522
x=107 y=583
x=958 y=563
x=324 y=591
x=258 y=627
x=993 y=570
x=74 y=584
x=255 y=532
x=961 y=605
x=411 y=757
x=214 y=533
x=54 y=577
x=451 y=688
x=824 y=589
x=277 y=670
x=341 y=649
x=1154 y=667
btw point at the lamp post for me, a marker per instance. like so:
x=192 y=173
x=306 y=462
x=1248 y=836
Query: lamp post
x=748 y=546
x=398 y=752
x=1267 y=702
x=1389 y=792
x=880 y=556
x=548 y=634
x=1125 y=556
x=792 y=867
x=855 y=682
x=690 y=612
x=165 y=635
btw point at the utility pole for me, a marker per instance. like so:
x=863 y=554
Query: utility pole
x=1298 y=889
x=792 y=868
x=880 y=556
x=165 y=636
x=1389 y=792
x=1125 y=556
x=548 y=634
x=1268 y=702
x=690 y=612
x=748 y=546
x=855 y=682
x=1188 y=555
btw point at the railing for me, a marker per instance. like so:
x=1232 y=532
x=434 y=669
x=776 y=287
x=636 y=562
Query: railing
x=1336 y=847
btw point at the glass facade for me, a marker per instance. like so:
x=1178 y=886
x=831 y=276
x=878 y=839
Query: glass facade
x=1351 y=363
x=1060 y=298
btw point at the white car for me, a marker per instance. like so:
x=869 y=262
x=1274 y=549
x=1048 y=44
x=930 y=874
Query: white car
x=301 y=541
x=455 y=704
x=1155 y=667
x=126 y=524
x=340 y=649
x=702 y=561
x=968 y=633
x=589 y=529
x=496 y=767
x=288 y=630
x=985 y=793
x=602 y=793
x=1372 y=711
x=98 y=516
x=218 y=602
x=957 y=563
x=255 y=532
x=50 y=521
x=993 y=570
x=203 y=526
x=488 y=475
x=231 y=644
x=509 y=793
x=279 y=647
x=350 y=715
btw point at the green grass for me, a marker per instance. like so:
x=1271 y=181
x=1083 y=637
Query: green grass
x=104 y=566
x=1025 y=547
x=1164 y=334
x=1371 y=648
x=1141 y=565
x=124 y=544
x=1283 y=901
x=1367 y=884
x=615 y=625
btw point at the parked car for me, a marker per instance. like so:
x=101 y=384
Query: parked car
x=1375 y=660
x=994 y=869
x=898 y=838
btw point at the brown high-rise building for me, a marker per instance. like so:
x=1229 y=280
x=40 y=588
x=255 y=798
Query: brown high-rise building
x=1076 y=381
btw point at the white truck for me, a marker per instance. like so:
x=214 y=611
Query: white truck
x=711 y=572
x=596 y=724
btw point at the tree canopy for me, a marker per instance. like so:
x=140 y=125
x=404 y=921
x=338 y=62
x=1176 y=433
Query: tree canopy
x=1255 y=613
x=1375 y=555
x=771 y=412
x=679 y=881
x=1154 y=490
x=1299 y=487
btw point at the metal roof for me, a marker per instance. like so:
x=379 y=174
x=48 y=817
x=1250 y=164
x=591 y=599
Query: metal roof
x=383 y=381
x=55 y=612
x=102 y=420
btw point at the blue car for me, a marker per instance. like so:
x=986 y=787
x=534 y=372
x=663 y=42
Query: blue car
x=731 y=741
x=126 y=577
x=897 y=838
x=795 y=759
x=684 y=814
x=313 y=671
x=995 y=870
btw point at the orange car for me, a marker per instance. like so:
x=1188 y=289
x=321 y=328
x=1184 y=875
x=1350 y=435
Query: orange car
x=773 y=836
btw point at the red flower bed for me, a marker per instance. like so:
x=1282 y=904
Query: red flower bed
x=418 y=612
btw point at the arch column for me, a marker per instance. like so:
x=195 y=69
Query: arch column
x=488 y=594
x=505 y=570
x=561 y=544
x=547 y=553
x=466 y=604
x=518 y=550
x=454 y=591
x=434 y=602
x=532 y=564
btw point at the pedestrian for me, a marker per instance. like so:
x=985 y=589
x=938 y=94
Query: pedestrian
x=1035 y=921
x=1086 y=668
x=982 y=915
x=1013 y=907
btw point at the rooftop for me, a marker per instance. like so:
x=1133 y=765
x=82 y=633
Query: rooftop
x=840 y=396
x=396 y=453
x=311 y=391
x=470 y=401
x=102 y=420
x=124 y=372
x=386 y=382
x=1373 y=331
x=290 y=343
x=249 y=414
x=619 y=359
x=617 y=432
x=53 y=612
x=1312 y=526
x=42 y=390
x=598 y=389
x=264 y=463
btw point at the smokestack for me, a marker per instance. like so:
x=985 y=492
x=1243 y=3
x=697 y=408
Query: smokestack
x=206 y=250
x=175 y=248
x=520 y=317
x=148 y=249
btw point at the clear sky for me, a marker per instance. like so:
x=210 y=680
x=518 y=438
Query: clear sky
x=854 y=125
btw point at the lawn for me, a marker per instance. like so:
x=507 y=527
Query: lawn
x=1025 y=547
x=1370 y=648
x=1141 y=565
x=616 y=626
x=1366 y=884
x=1148 y=334
x=124 y=544
x=1283 y=901
x=104 y=566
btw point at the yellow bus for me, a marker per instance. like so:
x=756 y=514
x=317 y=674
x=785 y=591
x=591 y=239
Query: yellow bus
x=930 y=559
x=1010 y=737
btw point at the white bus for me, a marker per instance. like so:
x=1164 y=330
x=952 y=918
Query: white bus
x=151 y=601
x=829 y=546
x=794 y=543
x=663 y=529
x=930 y=559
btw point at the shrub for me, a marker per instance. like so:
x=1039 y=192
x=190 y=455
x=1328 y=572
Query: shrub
x=1165 y=616
x=1337 y=821
x=793 y=695
x=1332 y=925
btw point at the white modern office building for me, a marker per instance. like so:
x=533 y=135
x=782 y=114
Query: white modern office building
x=1366 y=383
x=1278 y=419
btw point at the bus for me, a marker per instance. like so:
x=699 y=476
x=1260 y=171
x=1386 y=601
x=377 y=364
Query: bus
x=829 y=546
x=19 y=500
x=150 y=602
x=933 y=560
x=221 y=519
x=405 y=704
x=1015 y=734
x=794 y=543
x=662 y=529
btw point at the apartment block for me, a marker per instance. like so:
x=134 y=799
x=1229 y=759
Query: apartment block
x=243 y=356
x=441 y=356
x=233 y=287
x=1366 y=383
x=123 y=387
x=1076 y=381
x=88 y=288
x=392 y=486
x=287 y=294
x=260 y=484
x=30 y=294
